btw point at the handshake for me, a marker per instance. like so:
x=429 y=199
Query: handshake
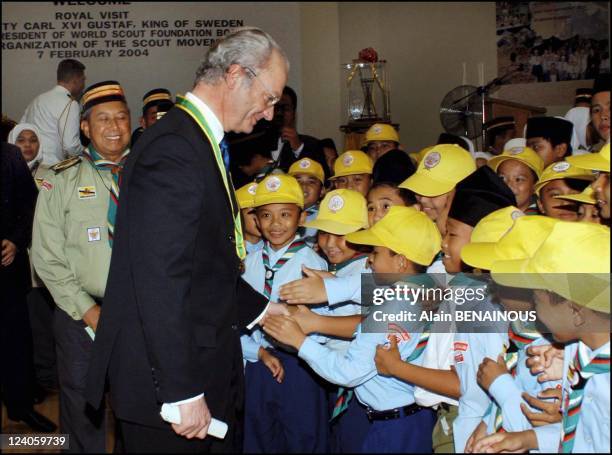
x=289 y=324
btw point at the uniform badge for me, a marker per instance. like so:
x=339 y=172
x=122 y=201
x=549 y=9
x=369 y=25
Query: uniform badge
x=432 y=160
x=461 y=346
x=347 y=160
x=304 y=164
x=45 y=185
x=87 y=192
x=516 y=214
x=335 y=203
x=273 y=184
x=400 y=334
x=252 y=189
x=516 y=150
x=377 y=130
x=561 y=166
x=93 y=234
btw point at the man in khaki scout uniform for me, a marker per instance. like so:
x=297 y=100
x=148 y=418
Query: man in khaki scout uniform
x=71 y=250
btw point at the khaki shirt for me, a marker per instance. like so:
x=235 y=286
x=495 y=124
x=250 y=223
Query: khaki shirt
x=70 y=249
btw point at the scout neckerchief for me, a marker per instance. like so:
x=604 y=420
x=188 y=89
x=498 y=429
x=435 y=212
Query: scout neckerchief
x=295 y=246
x=344 y=396
x=193 y=111
x=519 y=337
x=100 y=164
x=581 y=369
x=335 y=268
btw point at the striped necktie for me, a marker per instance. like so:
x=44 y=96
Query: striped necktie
x=295 y=246
x=580 y=370
x=116 y=169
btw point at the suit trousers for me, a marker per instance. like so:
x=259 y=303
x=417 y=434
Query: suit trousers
x=85 y=425
x=41 y=308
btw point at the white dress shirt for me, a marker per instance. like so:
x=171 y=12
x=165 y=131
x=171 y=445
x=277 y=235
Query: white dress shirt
x=57 y=116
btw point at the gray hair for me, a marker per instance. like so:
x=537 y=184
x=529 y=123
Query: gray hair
x=248 y=47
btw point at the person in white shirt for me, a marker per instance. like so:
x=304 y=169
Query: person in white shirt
x=56 y=113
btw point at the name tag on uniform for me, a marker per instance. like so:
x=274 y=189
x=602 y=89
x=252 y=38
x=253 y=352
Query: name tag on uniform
x=93 y=234
x=87 y=192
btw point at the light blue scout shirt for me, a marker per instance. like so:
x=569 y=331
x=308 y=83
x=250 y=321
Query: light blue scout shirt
x=593 y=429
x=310 y=234
x=506 y=391
x=470 y=350
x=252 y=247
x=355 y=367
x=254 y=274
x=349 y=308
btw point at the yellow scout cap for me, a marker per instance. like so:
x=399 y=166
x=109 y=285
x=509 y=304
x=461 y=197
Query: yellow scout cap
x=525 y=155
x=279 y=189
x=341 y=212
x=440 y=170
x=307 y=166
x=561 y=170
x=403 y=230
x=381 y=132
x=586 y=197
x=246 y=195
x=418 y=156
x=593 y=161
x=520 y=241
x=578 y=270
x=352 y=162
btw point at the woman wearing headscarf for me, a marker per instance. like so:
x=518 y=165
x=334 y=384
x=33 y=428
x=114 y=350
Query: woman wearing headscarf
x=26 y=136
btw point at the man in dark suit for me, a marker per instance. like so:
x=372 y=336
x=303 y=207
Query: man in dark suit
x=291 y=146
x=175 y=302
x=18 y=200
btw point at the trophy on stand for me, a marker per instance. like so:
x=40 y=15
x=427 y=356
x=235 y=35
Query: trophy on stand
x=368 y=95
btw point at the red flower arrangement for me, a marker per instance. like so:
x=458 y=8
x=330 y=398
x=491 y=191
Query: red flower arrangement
x=368 y=54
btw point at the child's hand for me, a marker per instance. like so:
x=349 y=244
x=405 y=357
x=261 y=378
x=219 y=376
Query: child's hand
x=273 y=363
x=305 y=317
x=551 y=410
x=479 y=433
x=489 y=370
x=285 y=330
x=512 y=442
x=387 y=357
x=309 y=290
x=545 y=361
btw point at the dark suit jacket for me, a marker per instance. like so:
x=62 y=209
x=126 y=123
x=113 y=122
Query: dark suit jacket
x=18 y=195
x=312 y=149
x=174 y=301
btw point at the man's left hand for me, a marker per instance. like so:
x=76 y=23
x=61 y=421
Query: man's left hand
x=290 y=135
x=9 y=250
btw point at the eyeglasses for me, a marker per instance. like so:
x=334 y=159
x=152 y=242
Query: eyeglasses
x=271 y=99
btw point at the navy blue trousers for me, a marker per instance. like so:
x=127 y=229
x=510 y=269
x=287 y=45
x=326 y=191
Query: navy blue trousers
x=410 y=434
x=288 y=417
x=351 y=428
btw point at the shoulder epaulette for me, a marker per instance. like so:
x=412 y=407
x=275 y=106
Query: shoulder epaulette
x=63 y=165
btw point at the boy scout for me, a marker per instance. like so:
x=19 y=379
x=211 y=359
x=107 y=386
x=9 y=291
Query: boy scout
x=574 y=309
x=353 y=171
x=311 y=177
x=550 y=137
x=71 y=249
x=379 y=139
x=599 y=162
x=245 y=196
